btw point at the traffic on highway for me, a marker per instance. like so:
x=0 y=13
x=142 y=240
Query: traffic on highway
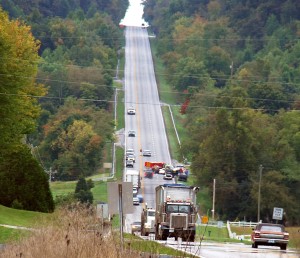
x=148 y=165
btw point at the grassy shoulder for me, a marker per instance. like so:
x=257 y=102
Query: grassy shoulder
x=151 y=247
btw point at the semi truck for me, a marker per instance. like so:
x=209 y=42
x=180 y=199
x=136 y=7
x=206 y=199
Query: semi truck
x=133 y=176
x=175 y=212
x=147 y=221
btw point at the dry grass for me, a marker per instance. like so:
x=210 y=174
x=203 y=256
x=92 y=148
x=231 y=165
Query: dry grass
x=72 y=232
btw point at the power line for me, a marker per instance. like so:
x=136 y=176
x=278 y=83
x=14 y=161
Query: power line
x=141 y=103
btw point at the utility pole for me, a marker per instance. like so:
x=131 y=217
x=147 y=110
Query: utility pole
x=231 y=69
x=50 y=174
x=259 y=186
x=214 y=197
x=121 y=214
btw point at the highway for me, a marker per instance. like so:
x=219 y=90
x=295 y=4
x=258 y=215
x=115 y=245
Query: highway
x=141 y=93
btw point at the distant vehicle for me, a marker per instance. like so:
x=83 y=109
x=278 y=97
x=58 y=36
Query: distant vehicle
x=162 y=171
x=129 y=151
x=270 y=234
x=168 y=177
x=147 y=153
x=182 y=177
x=136 y=201
x=141 y=198
x=147 y=221
x=135 y=227
x=131 y=133
x=134 y=191
x=131 y=111
x=149 y=173
x=180 y=168
x=151 y=164
x=130 y=157
x=129 y=163
x=154 y=165
x=132 y=175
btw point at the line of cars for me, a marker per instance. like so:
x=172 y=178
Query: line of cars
x=130 y=156
x=169 y=172
x=133 y=175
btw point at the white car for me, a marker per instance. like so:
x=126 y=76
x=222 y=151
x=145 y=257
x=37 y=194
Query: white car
x=130 y=157
x=134 y=191
x=129 y=163
x=130 y=151
x=131 y=111
x=147 y=153
x=168 y=177
x=162 y=171
x=136 y=201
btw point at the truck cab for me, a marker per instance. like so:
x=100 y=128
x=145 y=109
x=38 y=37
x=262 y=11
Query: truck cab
x=147 y=221
x=176 y=212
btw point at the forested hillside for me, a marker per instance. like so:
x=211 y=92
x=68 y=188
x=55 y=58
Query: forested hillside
x=237 y=62
x=56 y=84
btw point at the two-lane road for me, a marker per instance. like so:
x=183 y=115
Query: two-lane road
x=141 y=93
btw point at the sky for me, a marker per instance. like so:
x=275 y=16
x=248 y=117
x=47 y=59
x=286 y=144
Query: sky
x=134 y=13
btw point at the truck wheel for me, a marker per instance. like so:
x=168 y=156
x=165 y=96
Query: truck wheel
x=254 y=245
x=283 y=247
x=164 y=236
x=191 y=238
x=157 y=236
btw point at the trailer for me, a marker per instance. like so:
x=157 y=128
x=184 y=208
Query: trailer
x=133 y=176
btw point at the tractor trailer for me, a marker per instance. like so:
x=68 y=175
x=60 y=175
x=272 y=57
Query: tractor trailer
x=176 y=212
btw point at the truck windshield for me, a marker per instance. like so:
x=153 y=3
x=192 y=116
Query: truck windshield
x=178 y=208
x=151 y=213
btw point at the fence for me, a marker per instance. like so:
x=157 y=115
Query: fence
x=242 y=223
x=239 y=224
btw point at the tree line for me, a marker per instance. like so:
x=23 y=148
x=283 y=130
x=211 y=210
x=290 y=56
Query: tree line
x=237 y=62
x=56 y=83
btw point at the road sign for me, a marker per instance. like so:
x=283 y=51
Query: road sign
x=277 y=213
x=114 y=197
x=102 y=211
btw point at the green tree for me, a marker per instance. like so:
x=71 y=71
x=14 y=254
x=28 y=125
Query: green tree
x=83 y=191
x=23 y=181
x=18 y=109
x=74 y=139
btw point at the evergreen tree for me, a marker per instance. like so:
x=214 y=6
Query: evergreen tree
x=23 y=182
x=83 y=191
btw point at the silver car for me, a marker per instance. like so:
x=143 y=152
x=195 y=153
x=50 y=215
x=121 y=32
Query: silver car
x=147 y=153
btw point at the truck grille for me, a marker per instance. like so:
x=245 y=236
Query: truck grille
x=179 y=221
